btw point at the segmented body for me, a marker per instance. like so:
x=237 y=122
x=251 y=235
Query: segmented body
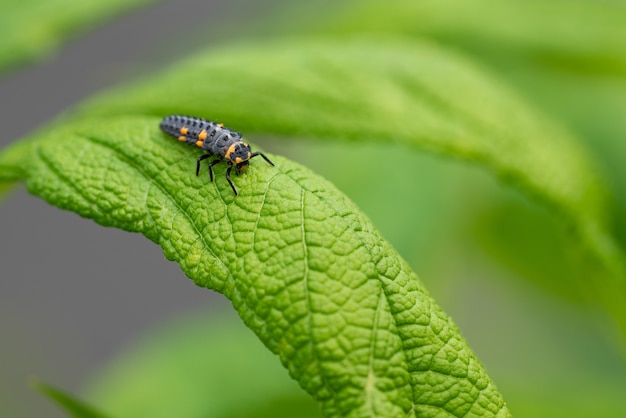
x=210 y=136
x=215 y=139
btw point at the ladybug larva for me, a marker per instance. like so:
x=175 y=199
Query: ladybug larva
x=216 y=140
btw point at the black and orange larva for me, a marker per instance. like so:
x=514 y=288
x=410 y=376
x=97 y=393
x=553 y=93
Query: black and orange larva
x=215 y=139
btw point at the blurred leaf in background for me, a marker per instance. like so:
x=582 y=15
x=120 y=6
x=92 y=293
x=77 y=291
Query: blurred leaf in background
x=412 y=93
x=69 y=403
x=31 y=29
x=568 y=57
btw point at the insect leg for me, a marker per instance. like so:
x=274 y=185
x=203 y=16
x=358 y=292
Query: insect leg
x=230 y=167
x=211 y=164
x=264 y=157
x=200 y=158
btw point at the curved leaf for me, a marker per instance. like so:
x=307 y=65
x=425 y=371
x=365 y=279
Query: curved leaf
x=412 y=93
x=588 y=36
x=305 y=270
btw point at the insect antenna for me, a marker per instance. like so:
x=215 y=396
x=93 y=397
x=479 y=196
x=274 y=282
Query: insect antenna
x=254 y=154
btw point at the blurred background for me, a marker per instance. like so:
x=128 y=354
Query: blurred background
x=93 y=310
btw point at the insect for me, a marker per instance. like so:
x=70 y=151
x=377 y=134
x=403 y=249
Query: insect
x=216 y=140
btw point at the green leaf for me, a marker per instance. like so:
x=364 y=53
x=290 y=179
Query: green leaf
x=30 y=29
x=564 y=65
x=304 y=268
x=412 y=93
x=589 y=37
x=72 y=406
x=220 y=368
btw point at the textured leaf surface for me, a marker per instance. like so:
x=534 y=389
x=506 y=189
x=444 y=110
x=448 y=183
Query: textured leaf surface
x=410 y=93
x=32 y=28
x=306 y=271
x=303 y=267
x=406 y=92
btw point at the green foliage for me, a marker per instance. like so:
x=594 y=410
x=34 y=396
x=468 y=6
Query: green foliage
x=410 y=93
x=304 y=268
x=306 y=271
x=220 y=369
x=32 y=28
x=578 y=36
x=71 y=405
x=567 y=57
